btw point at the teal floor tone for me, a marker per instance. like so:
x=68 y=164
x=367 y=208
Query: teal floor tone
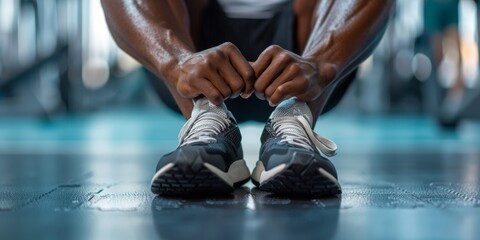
x=87 y=177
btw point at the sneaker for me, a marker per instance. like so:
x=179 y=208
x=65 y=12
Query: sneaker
x=209 y=158
x=290 y=161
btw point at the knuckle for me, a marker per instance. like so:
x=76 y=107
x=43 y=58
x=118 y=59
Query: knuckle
x=294 y=68
x=217 y=55
x=249 y=74
x=195 y=73
x=281 y=90
x=211 y=64
x=274 y=48
x=284 y=57
x=227 y=45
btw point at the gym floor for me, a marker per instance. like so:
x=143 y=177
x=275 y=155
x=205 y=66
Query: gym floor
x=88 y=176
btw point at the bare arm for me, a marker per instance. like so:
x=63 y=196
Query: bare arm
x=343 y=34
x=157 y=34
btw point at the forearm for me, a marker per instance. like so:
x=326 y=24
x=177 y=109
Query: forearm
x=344 y=33
x=156 y=33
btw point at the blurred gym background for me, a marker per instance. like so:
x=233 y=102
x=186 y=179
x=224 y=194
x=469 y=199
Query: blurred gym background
x=57 y=57
x=81 y=130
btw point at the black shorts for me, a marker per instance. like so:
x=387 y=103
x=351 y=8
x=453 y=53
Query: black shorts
x=251 y=36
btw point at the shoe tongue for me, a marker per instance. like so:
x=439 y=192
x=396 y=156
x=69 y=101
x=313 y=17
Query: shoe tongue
x=292 y=107
x=202 y=105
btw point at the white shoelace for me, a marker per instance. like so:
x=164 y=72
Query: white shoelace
x=298 y=132
x=202 y=128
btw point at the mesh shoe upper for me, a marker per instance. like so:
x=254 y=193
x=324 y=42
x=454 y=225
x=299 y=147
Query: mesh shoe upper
x=211 y=133
x=288 y=132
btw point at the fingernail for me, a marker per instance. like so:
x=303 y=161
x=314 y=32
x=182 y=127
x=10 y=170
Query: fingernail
x=247 y=95
x=271 y=104
x=260 y=96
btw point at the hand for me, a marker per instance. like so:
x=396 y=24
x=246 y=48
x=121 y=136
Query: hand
x=282 y=74
x=217 y=73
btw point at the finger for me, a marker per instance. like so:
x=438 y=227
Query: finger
x=187 y=90
x=243 y=68
x=219 y=84
x=288 y=74
x=264 y=59
x=209 y=91
x=232 y=78
x=289 y=89
x=262 y=63
x=274 y=70
x=259 y=66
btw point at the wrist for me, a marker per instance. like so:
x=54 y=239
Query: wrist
x=326 y=72
x=173 y=70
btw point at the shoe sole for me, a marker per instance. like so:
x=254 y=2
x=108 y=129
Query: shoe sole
x=300 y=177
x=197 y=178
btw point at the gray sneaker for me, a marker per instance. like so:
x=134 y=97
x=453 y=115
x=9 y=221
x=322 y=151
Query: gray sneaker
x=290 y=160
x=209 y=158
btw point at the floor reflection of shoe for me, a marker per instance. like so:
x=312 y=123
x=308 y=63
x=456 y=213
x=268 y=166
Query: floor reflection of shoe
x=290 y=162
x=209 y=158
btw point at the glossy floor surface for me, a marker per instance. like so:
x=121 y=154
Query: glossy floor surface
x=87 y=177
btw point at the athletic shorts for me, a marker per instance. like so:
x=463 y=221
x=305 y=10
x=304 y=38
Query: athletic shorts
x=252 y=37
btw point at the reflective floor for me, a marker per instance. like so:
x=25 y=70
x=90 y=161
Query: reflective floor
x=87 y=177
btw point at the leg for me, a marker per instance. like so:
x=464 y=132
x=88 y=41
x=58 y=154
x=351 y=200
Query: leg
x=303 y=10
x=196 y=9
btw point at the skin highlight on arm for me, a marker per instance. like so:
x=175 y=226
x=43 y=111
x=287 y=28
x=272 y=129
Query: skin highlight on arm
x=158 y=35
x=341 y=36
